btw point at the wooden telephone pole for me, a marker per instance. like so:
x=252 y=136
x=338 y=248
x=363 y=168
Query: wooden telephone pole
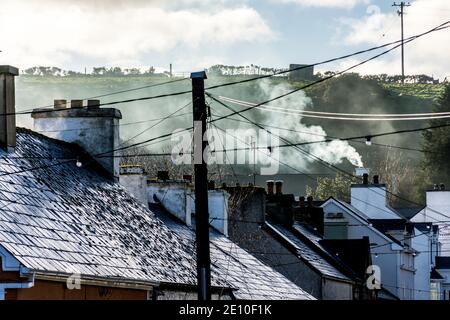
x=201 y=187
x=401 y=12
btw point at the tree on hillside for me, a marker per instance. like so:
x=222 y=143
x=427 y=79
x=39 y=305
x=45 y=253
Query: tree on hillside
x=436 y=142
x=337 y=187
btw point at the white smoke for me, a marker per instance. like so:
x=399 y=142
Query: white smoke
x=334 y=152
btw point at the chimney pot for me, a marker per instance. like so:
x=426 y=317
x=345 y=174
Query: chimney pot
x=270 y=187
x=279 y=187
x=59 y=104
x=365 y=178
x=94 y=104
x=163 y=175
x=376 y=179
x=76 y=104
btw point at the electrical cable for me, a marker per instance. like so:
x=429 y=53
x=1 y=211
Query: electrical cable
x=334 y=75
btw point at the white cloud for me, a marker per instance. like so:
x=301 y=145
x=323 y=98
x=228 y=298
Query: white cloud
x=326 y=3
x=60 y=32
x=427 y=55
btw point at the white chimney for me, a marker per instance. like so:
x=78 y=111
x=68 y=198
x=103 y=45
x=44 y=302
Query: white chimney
x=371 y=200
x=175 y=196
x=93 y=128
x=7 y=108
x=178 y=198
x=134 y=179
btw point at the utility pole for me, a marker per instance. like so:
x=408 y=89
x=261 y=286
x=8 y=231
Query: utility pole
x=171 y=71
x=401 y=12
x=201 y=187
x=253 y=144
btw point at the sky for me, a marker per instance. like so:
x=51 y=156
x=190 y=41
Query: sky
x=195 y=34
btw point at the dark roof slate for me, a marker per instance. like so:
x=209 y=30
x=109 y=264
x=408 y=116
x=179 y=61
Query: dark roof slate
x=306 y=252
x=251 y=277
x=408 y=212
x=62 y=219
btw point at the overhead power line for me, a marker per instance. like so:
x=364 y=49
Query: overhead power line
x=314 y=157
x=343 y=116
x=440 y=27
x=401 y=41
x=329 y=138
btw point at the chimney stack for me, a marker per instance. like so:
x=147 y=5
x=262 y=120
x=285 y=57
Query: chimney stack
x=96 y=130
x=279 y=187
x=8 y=108
x=134 y=179
x=270 y=187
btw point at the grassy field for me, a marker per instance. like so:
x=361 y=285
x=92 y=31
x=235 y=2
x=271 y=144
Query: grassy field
x=423 y=91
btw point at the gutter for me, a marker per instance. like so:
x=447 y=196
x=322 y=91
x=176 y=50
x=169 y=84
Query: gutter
x=99 y=281
x=16 y=285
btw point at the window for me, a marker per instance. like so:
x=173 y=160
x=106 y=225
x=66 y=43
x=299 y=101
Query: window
x=434 y=291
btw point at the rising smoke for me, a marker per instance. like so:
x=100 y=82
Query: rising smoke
x=334 y=152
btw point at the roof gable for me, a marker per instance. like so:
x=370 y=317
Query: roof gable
x=360 y=217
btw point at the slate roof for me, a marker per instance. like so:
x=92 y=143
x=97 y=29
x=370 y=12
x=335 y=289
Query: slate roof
x=409 y=212
x=354 y=253
x=362 y=216
x=434 y=275
x=61 y=219
x=251 y=277
x=306 y=252
x=442 y=262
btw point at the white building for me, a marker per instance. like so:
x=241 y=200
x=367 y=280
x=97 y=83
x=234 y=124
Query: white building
x=402 y=250
x=437 y=211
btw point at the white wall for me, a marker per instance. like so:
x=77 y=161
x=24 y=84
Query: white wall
x=136 y=185
x=422 y=263
x=393 y=278
x=438 y=206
